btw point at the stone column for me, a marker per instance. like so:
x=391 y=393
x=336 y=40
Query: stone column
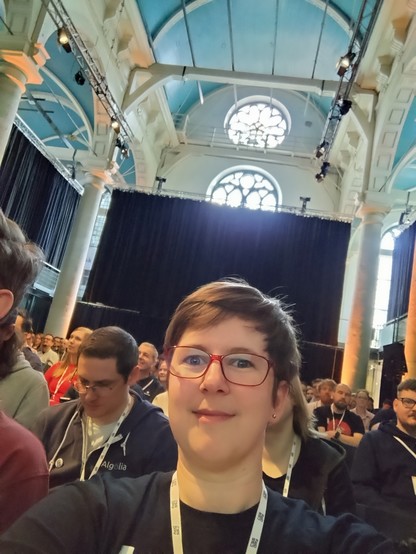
x=410 y=342
x=65 y=296
x=357 y=346
x=19 y=66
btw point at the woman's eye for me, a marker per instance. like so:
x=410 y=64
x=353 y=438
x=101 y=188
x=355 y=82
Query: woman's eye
x=240 y=363
x=193 y=360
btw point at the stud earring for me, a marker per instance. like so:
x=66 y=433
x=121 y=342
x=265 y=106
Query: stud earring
x=274 y=416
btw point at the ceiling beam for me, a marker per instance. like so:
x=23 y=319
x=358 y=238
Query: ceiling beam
x=160 y=74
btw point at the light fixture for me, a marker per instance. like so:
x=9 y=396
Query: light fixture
x=124 y=148
x=79 y=78
x=345 y=63
x=344 y=106
x=160 y=182
x=304 y=200
x=63 y=39
x=125 y=151
x=115 y=125
x=320 y=150
x=324 y=170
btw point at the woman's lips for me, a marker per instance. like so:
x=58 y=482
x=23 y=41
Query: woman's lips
x=212 y=416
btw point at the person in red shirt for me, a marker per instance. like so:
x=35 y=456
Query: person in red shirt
x=60 y=376
x=24 y=474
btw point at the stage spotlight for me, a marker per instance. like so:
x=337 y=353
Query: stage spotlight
x=345 y=63
x=124 y=148
x=63 y=39
x=344 y=106
x=125 y=151
x=320 y=150
x=79 y=78
x=115 y=125
x=324 y=170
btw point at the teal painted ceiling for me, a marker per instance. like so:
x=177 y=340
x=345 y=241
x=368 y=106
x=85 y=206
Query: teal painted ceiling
x=286 y=38
x=292 y=38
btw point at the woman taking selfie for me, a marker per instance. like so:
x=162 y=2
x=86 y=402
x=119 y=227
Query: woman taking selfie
x=231 y=352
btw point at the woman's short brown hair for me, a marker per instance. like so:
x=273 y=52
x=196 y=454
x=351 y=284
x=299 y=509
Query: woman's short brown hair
x=220 y=300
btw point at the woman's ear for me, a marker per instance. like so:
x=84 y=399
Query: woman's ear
x=282 y=392
x=6 y=302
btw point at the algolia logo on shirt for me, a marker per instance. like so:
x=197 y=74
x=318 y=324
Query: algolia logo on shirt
x=117 y=467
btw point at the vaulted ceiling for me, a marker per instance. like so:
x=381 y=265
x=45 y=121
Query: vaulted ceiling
x=170 y=64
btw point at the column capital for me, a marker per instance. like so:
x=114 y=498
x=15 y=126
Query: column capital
x=98 y=168
x=372 y=207
x=18 y=53
x=92 y=179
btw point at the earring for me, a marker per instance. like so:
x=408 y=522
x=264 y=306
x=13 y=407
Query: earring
x=274 y=416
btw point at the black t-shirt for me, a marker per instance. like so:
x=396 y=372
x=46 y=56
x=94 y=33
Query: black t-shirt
x=320 y=472
x=350 y=423
x=102 y=515
x=151 y=387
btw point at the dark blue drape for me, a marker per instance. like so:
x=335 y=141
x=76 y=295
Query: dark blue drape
x=37 y=197
x=155 y=250
x=401 y=273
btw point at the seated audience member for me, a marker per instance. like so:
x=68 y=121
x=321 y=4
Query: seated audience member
x=231 y=352
x=23 y=468
x=309 y=394
x=37 y=341
x=24 y=474
x=326 y=389
x=384 y=470
x=24 y=330
x=298 y=464
x=337 y=422
x=149 y=384
x=361 y=399
x=23 y=391
x=109 y=429
x=56 y=347
x=162 y=372
x=370 y=404
x=385 y=413
x=61 y=375
x=161 y=400
x=48 y=356
x=315 y=386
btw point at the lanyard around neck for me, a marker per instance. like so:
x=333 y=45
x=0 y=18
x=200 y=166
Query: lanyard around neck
x=339 y=422
x=293 y=452
x=106 y=445
x=60 y=381
x=176 y=526
x=398 y=439
x=147 y=385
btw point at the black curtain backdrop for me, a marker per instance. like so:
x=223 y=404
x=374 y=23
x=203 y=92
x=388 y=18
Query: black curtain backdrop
x=401 y=273
x=37 y=197
x=155 y=250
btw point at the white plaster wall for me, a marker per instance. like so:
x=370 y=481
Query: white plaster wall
x=194 y=173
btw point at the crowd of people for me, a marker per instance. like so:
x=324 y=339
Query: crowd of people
x=212 y=445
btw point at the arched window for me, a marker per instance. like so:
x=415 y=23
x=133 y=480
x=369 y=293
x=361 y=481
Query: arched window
x=245 y=186
x=383 y=280
x=258 y=121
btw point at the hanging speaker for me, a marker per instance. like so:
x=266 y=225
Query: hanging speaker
x=394 y=361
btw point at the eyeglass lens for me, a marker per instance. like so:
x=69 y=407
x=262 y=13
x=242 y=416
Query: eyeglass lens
x=240 y=368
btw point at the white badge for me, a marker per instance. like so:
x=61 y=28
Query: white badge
x=414 y=483
x=59 y=463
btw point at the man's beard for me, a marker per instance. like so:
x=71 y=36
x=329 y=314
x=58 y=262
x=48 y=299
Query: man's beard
x=341 y=406
x=409 y=427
